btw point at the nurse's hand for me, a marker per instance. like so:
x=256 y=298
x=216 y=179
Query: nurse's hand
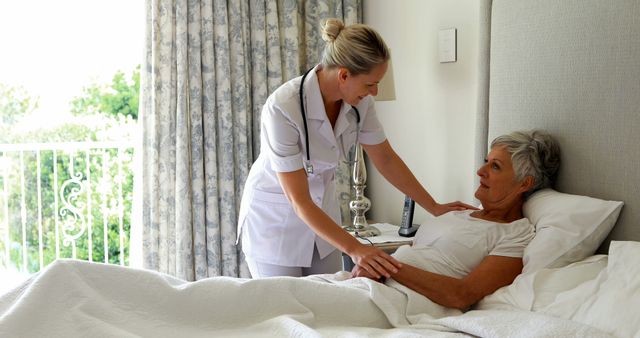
x=439 y=209
x=375 y=261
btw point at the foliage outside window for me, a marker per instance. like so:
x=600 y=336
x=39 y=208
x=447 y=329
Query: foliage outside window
x=101 y=113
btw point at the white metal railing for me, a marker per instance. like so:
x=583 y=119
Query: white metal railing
x=65 y=200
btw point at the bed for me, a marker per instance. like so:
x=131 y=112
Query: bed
x=570 y=67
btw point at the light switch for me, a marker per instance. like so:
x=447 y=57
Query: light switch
x=447 y=45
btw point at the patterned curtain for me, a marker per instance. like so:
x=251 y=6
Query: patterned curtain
x=209 y=66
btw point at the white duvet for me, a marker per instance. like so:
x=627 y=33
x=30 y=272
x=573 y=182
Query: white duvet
x=74 y=298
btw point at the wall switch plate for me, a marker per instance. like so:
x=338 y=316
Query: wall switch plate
x=447 y=41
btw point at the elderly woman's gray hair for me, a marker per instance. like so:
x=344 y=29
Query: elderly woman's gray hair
x=533 y=153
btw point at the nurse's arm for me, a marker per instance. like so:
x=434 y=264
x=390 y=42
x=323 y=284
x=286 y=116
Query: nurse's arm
x=394 y=170
x=296 y=188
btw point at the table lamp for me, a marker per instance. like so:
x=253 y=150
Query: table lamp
x=360 y=204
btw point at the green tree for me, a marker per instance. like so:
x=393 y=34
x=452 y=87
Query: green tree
x=119 y=98
x=103 y=113
x=15 y=102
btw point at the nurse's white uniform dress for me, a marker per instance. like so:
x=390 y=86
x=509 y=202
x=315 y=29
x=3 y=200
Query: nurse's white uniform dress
x=272 y=232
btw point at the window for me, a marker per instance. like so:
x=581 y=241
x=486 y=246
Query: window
x=69 y=83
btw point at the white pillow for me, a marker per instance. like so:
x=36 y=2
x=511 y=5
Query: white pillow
x=536 y=291
x=569 y=228
x=613 y=306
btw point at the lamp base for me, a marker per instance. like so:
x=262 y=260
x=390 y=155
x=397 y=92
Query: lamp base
x=366 y=231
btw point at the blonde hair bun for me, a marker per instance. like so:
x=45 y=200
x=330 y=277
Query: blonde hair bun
x=357 y=47
x=331 y=29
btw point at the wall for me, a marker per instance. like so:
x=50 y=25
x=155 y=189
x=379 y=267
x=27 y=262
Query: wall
x=431 y=123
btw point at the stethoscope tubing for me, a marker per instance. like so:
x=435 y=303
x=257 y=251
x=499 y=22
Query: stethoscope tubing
x=304 y=117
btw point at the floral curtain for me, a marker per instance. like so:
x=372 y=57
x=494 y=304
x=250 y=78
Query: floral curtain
x=208 y=68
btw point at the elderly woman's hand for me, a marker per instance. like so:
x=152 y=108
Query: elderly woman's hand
x=374 y=261
x=358 y=271
x=440 y=209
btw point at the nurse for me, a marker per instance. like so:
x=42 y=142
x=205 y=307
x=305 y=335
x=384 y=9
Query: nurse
x=289 y=213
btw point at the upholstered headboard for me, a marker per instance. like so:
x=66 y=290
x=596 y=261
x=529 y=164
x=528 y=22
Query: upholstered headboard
x=571 y=67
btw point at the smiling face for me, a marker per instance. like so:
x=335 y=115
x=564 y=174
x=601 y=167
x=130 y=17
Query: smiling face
x=356 y=87
x=498 y=184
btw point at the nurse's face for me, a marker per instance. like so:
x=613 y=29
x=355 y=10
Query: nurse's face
x=498 y=184
x=355 y=87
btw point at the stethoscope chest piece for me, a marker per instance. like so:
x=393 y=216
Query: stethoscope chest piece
x=308 y=167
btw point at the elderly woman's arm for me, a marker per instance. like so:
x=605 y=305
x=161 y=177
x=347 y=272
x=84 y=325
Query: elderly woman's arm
x=491 y=274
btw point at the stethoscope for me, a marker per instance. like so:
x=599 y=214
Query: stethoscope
x=308 y=167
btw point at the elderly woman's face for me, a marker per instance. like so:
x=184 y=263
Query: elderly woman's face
x=498 y=185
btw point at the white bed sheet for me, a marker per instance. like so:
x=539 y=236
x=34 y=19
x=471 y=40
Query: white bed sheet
x=74 y=298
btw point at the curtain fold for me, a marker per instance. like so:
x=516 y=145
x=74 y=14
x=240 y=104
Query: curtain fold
x=208 y=68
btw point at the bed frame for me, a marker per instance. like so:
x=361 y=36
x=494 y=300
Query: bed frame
x=571 y=67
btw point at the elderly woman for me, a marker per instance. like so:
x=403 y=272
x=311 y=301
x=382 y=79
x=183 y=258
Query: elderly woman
x=458 y=258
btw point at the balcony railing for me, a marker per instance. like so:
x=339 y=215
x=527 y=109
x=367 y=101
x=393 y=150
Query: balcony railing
x=65 y=200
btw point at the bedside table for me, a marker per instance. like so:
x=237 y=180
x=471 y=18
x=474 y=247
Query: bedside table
x=388 y=241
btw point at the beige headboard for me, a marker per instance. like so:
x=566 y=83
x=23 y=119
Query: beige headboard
x=571 y=67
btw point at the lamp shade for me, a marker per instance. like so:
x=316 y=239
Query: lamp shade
x=386 y=87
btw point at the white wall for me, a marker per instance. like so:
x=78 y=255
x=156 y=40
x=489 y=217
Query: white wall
x=431 y=123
